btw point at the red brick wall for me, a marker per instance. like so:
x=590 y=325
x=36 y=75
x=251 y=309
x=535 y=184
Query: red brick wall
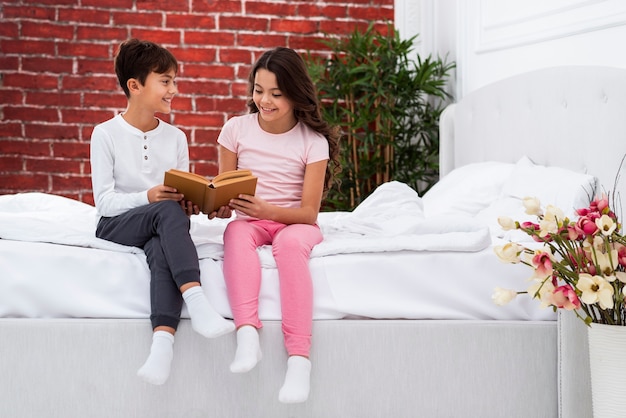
x=57 y=80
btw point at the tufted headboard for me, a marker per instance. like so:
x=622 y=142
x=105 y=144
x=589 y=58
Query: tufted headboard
x=572 y=117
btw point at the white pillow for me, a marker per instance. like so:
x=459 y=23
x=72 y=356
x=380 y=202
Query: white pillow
x=468 y=189
x=566 y=189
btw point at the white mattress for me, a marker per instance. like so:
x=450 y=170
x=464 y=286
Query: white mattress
x=374 y=263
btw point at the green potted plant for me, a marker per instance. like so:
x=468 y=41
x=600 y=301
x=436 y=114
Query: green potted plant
x=388 y=107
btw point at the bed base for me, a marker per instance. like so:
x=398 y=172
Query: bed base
x=404 y=368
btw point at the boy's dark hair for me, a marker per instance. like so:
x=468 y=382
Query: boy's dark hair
x=137 y=59
x=294 y=82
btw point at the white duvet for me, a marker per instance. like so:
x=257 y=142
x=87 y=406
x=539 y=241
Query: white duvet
x=391 y=219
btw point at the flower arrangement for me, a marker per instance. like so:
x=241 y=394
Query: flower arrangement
x=577 y=265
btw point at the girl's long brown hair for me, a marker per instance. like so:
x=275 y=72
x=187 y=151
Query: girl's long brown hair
x=296 y=85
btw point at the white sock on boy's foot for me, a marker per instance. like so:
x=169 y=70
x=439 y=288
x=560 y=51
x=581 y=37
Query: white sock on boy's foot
x=156 y=369
x=248 y=352
x=297 y=380
x=204 y=319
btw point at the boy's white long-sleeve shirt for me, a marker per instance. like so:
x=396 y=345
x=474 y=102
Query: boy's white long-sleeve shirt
x=126 y=162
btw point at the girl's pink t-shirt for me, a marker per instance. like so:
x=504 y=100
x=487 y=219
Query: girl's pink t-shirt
x=278 y=160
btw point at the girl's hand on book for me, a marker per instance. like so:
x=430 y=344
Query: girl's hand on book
x=252 y=206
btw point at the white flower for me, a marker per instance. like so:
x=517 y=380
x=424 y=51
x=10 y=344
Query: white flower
x=503 y=296
x=506 y=223
x=532 y=205
x=595 y=290
x=543 y=290
x=607 y=262
x=606 y=225
x=621 y=276
x=509 y=252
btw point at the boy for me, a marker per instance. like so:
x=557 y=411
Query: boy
x=129 y=155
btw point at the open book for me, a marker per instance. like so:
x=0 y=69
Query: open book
x=210 y=195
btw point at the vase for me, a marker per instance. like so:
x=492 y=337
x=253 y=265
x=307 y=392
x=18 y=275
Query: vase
x=607 y=361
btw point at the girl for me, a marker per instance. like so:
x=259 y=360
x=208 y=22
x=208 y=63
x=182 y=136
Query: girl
x=284 y=142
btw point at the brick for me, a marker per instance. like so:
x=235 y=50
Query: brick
x=209 y=38
x=47 y=30
x=165 y=5
x=29 y=113
x=307 y=43
x=27 y=47
x=48 y=64
x=254 y=8
x=243 y=23
x=30 y=12
x=204 y=152
x=9 y=63
x=216 y=6
x=82 y=49
x=294 y=26
x=110 y=4
x=193 y=70
x=186 y=20
x=30 y=81
x=317 y=9
x=73 y=150
x=232 y=55
x=208 y=169
x=253 y=40
x=100 y=33
x=12 y=96
x=62 y=166
x=96 y=66
x=49 y=131
x=10 y=164
x=23 y=147
x=196 y=55
x=197 y=119
x=371 y=13
x=105 y=100
x=207 y=136
x=84 y=116
x=216 y=104
x=9 y=29
x=182 y=103
x=90 y=83
x=145 y=18
x=74 y=182
x=10 y=129
x=172 y=37
x=26 y=182
x=82 y=15
x=58 y=99
x=87 y=197
x=221 y=88
x=341 y=27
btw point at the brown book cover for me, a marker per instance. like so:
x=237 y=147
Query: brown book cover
x=208 y=194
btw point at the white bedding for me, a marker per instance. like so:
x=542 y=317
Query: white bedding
x=386 y=259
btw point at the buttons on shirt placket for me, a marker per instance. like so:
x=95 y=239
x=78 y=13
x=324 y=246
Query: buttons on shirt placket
x=144 y=154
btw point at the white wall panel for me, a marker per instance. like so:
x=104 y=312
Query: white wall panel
x=500 y=38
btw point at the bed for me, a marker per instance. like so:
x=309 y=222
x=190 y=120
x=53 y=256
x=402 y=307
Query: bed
x=404 y=322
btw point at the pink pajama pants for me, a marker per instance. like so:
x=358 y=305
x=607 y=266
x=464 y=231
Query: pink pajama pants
x=291 y=247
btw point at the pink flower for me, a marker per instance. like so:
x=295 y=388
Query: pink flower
x=587 y=224
x=565 y=297
x=542 y=263
x=600 y=204
x=621 y=254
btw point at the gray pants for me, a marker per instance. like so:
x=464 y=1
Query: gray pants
x=162 y=230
